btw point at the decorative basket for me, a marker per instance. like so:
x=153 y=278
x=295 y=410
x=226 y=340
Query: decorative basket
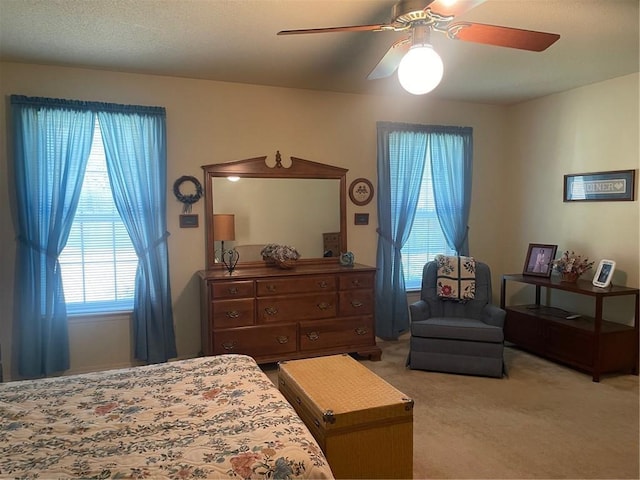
x=286 y=264
x=570 y=277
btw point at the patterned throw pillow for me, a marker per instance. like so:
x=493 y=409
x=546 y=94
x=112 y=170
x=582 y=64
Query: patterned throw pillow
x=456 y=277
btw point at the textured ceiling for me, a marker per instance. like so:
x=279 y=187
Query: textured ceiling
x=235 y=41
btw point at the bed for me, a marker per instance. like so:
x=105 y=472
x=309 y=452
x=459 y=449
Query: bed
x=208 y=417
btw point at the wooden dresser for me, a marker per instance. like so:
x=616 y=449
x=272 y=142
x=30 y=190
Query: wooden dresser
x=274 y=314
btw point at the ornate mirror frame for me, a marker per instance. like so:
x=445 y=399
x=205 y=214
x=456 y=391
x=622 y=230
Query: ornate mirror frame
x=258 y=168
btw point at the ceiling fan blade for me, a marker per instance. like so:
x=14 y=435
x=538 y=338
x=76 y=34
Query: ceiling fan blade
x=353 y=28
x=447 y=7
x=502 y=36
x=391 y=60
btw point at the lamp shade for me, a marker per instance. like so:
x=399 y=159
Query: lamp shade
x=224 y=227
x=420 y=70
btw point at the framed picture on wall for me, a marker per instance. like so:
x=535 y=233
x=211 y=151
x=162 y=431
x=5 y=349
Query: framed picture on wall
x=600 y=186
x=538 y=260
x=361 y=219
x=189 y=220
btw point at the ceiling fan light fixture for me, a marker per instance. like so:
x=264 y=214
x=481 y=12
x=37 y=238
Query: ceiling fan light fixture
x=420 y=70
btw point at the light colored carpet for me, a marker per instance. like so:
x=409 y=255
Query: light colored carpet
x=542 y=421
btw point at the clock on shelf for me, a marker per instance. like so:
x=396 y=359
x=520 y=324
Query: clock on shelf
x=361 y=191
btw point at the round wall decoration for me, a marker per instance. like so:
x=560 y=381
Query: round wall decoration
x=187 y=199
x=361 y=191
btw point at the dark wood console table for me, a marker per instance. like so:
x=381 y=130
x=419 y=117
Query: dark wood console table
x=589 y=344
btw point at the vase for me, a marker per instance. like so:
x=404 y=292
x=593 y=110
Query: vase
x=570 y=277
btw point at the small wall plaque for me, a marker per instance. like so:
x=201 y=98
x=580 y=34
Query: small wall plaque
x=189 y=220
x=361 y=191
x=361 y=219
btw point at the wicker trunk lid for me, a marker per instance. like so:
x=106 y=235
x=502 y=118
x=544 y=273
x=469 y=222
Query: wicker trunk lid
x=363 y=424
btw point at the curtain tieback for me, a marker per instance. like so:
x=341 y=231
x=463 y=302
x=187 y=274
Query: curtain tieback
x=386 y=237
x=153 y=245
x=461 y=244
x=36 y=247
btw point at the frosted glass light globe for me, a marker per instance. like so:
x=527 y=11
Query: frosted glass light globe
x=420 y=70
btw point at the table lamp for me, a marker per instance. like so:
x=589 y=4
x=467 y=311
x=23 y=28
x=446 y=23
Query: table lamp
x=224 y=229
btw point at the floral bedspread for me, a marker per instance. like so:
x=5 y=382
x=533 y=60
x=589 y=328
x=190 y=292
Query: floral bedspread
x=210 y=417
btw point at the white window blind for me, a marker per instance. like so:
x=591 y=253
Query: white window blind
x=426 y=239
x=98 y=264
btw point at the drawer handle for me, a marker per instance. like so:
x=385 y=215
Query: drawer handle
x=323 y=284
x=233 y=314
x=271 y=287
x=229 y=346
x=324 y=306
x=361 y=331
x=356 y=304
x=271 y=311
x=313 y=336
x=298 y=401
x=282 y=339
x=355 y=282
x=233 y=290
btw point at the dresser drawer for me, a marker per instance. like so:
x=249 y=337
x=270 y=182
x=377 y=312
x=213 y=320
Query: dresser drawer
x=296 y=307
x=351 y=281
x=301 y=284
x=318 y=334
x=232 y=313
x=356 y=302
x=257 y=341
x=231 y=289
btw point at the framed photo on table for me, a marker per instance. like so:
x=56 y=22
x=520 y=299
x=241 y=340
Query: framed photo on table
x=539 y=259
x=604 y=273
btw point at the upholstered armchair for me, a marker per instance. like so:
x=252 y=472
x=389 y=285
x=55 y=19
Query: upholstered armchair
x=457 y=337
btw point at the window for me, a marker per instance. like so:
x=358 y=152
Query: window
x=426 y=239
x=98 y=264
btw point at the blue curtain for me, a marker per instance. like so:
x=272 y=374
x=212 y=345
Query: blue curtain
x=451 y=150
x=403 y=150
x=135 y=147
x=52 y=140
x=401 y=160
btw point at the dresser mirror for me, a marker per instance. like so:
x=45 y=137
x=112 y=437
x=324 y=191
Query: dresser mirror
x=299 y=203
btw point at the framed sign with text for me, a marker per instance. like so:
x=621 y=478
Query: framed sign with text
x=600 y=186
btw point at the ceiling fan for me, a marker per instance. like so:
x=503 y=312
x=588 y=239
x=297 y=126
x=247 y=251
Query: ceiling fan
x=420 y=68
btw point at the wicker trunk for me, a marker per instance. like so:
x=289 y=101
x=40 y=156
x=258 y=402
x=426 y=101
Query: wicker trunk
x=363 y=424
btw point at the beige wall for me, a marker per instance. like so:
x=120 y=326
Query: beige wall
x=520 y=155
x=589 y=129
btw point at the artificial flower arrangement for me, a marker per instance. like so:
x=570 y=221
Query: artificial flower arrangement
x=280 y=254
x=570 y=264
